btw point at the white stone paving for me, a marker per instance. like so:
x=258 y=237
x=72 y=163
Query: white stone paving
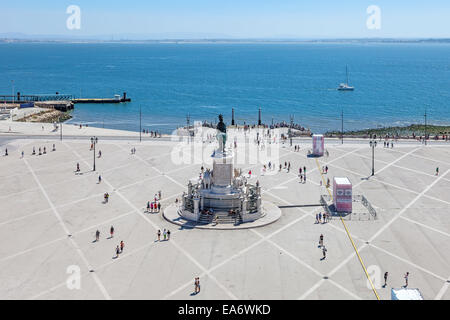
x=43 y=202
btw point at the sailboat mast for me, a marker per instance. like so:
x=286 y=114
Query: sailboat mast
x=346 y=71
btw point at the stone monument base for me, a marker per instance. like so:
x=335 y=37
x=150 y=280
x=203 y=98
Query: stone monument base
x=173 y=214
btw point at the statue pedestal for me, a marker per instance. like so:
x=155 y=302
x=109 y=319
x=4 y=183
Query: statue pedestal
x=222 y=169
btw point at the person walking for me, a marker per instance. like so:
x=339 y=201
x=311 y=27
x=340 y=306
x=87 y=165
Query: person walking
x=437 y=171
x=385 y=279
x=122 y=245
x=324 y=252
x=117 y=251
x=159 y=206
x=168 y=234
x=99 y=178
x=164 y=234
x=111 y=232
x=321 y=241
x=97 y=235
x=148 y=206
x=406 y=279
x=159 y=235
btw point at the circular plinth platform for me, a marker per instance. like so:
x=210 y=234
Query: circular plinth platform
x=271 y=214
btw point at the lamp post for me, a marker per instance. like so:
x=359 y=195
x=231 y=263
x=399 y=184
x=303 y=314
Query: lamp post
x=12 y=91
x=94 y=141
x=140 y=124
x=342 y=126
x=425 y=115
x=373 y=144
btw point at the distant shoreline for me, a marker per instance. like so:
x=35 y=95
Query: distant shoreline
x=88 y=40
x=401 y=131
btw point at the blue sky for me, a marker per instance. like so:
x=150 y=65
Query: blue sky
x=230 y=18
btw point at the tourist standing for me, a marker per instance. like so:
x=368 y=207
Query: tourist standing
x=321 y=241
x=406 y=279
x=117 y=251
x=97 y=235
x=159 y=235
x=197 y=285
x=324 y=252
x=122 y=245
x=385 y=278
x=111 y=232
x=168 y=234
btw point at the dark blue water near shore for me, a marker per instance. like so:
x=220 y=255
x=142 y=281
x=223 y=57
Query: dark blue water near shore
x=394 y=82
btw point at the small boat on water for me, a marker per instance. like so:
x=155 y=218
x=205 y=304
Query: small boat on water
x=345 y=86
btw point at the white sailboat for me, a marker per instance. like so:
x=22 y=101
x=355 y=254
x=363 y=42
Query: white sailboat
x=345 y=86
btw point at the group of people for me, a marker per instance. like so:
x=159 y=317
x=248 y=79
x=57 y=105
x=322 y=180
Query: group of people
x=153 y=206
x=302 y=174
x=41 y=150
x=165 y=234
x=153 y=134
x=119 y=247
x=386 y=144
x=322 y=218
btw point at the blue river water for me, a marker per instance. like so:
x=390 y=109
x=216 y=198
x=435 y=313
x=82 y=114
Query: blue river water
x=394 y=83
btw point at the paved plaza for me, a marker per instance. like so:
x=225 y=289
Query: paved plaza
x=49 y=216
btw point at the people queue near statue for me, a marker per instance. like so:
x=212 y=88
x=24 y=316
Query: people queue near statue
x=154 y=206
